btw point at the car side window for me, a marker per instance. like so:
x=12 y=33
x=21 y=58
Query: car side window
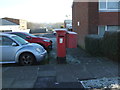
x=6 y=41
x=21 y=35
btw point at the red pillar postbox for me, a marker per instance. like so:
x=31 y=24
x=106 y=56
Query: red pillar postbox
x=71 y=39
x=65 y=39
x=61 y=45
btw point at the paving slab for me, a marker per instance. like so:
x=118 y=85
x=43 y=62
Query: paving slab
x=26 y=83
x=7 y=82
x=71 y=73
x=98 y=70
x=66 y=77
x=45 y=82
x=47 y=67
x=46 y=73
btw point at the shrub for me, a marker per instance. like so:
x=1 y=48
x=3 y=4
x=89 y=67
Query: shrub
x=92 y=44
x=110 y=44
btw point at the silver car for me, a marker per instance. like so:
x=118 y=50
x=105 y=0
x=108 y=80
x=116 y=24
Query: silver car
x=14 y=49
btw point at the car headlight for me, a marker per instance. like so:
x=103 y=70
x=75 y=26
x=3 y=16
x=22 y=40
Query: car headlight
x=38 y=50
x=46 y=40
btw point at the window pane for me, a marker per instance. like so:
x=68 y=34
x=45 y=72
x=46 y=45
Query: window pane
x=112 y=5
x=101 y=30
x=6 y=41
x=20 y=35
x=20 y=40
x=102 y=5
x=113 y=28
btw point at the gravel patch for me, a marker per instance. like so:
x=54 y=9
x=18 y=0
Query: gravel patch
x=113 y=82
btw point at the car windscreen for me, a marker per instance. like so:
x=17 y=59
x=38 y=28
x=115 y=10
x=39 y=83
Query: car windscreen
x=20 y=40
x=30 y=34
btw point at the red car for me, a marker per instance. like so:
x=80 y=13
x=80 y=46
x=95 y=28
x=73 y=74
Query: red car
x=45 y=42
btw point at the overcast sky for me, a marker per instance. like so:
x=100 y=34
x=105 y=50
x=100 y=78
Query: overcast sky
x=36 y=10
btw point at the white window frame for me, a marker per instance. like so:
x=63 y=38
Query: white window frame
x=98 y=30
x=106 y=29
x=106 y=7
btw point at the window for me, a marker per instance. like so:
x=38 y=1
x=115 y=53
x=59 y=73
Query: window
x=7 y=41
x=109 y=5
x=102 y=29
x=112 y=28
x=27 y=34
x=102 y=5
x=20 y=40
x=20 y=35
x=112 y=5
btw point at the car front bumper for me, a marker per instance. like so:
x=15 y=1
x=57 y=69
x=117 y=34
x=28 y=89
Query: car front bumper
x=40 y=57
x=48 y=45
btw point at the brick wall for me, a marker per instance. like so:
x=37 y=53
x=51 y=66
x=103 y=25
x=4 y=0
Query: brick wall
x=109 y=18
x=87 y=14
x=80 y=14
x=93 y=16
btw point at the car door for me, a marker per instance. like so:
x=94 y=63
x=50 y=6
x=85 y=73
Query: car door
x=8 y=50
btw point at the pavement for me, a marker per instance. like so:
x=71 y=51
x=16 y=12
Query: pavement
x=80 y=66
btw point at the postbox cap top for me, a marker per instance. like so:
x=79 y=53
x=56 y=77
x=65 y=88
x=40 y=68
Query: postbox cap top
x=72 y=32
x=60 y=29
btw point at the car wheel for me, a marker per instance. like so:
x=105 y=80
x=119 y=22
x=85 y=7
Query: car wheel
x=26 y=59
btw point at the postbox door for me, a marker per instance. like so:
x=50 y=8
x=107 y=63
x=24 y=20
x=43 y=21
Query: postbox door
x=61 y=47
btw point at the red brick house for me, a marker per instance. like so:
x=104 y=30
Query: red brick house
x=95 y=18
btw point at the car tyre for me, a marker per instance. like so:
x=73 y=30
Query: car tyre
x=26 y=59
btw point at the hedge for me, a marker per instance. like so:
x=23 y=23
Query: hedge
x=108 y=45
x=92 y=44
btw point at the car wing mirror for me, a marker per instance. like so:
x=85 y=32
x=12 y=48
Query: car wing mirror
x=14 y=44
